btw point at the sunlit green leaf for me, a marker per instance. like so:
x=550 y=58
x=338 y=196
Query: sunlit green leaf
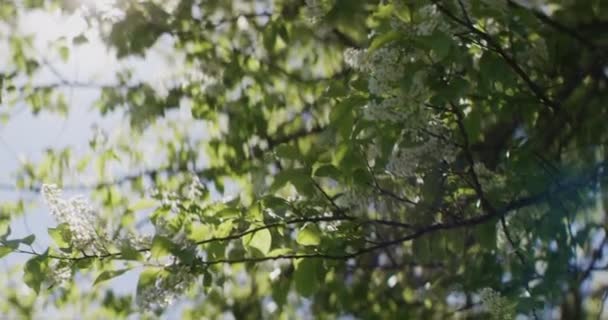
x=109 y=274
x=310 y=235
x=261 y=240
x=161 y=246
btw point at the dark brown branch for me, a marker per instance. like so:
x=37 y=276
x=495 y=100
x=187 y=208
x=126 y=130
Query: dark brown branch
x=555 y=190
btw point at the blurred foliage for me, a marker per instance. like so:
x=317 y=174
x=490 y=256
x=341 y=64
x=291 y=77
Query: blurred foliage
x=401 y=159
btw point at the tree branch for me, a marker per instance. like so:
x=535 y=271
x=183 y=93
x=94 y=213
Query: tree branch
x=533 y=86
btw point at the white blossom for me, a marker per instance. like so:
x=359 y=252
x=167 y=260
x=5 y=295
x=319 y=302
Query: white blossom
x=106 y=9
x=80 y=218
x=404 y=161
x=178 y=237
x=386 y=110
x=134 y=240
x=355 y=58
x=406 y=105
x=429 y=20
x=170 y=200
x=499 y=307
x=275 y=274
x=59 y=273
x=392 y=281
x=355 y=200
x=196 y=189
x=166 y=289
x=386 y=68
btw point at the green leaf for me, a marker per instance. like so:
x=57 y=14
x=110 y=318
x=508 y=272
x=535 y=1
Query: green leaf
x=329 y=171
x=130 y=253
x=109 y=274
x=186 y=256
x=383 y=39
x=310 y=235
x=59 y=236
x=207 y=279
x=269 y=37
x=306 y=276
x=147 y=278
x=261 y=240
x=280 y=252
x=280 y=290
x=493 y=68
x=143 y=204
x=29 y=239
x=4 y=250
x=64 y=53
x=224 y=229
x=35 y=272
x=161 y=247
x=84 y=263
x=287 y=151
x=6 y=232
x=486 y=234
x=80 y=39
x=299 y=178
x=199 y=232
x=439 y=43
x=342 y=116
x=275 y=203
x=228 y=213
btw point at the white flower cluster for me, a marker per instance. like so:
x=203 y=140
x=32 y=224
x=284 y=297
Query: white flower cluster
x=106 y=9
x=426 y=20
x=405 y=161
x=196 y=189
x=355 y=58
x=166 y=289
x=134 y=240
x=386 y=110
x=408 y=104
x=178 y=237
x=385 y=67
x=429 y=20
x=499 y=307
x=59 y=273
x=80 y=218
x=170 y=200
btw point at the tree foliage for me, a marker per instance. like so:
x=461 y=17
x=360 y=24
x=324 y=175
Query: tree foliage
x=380 y=159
